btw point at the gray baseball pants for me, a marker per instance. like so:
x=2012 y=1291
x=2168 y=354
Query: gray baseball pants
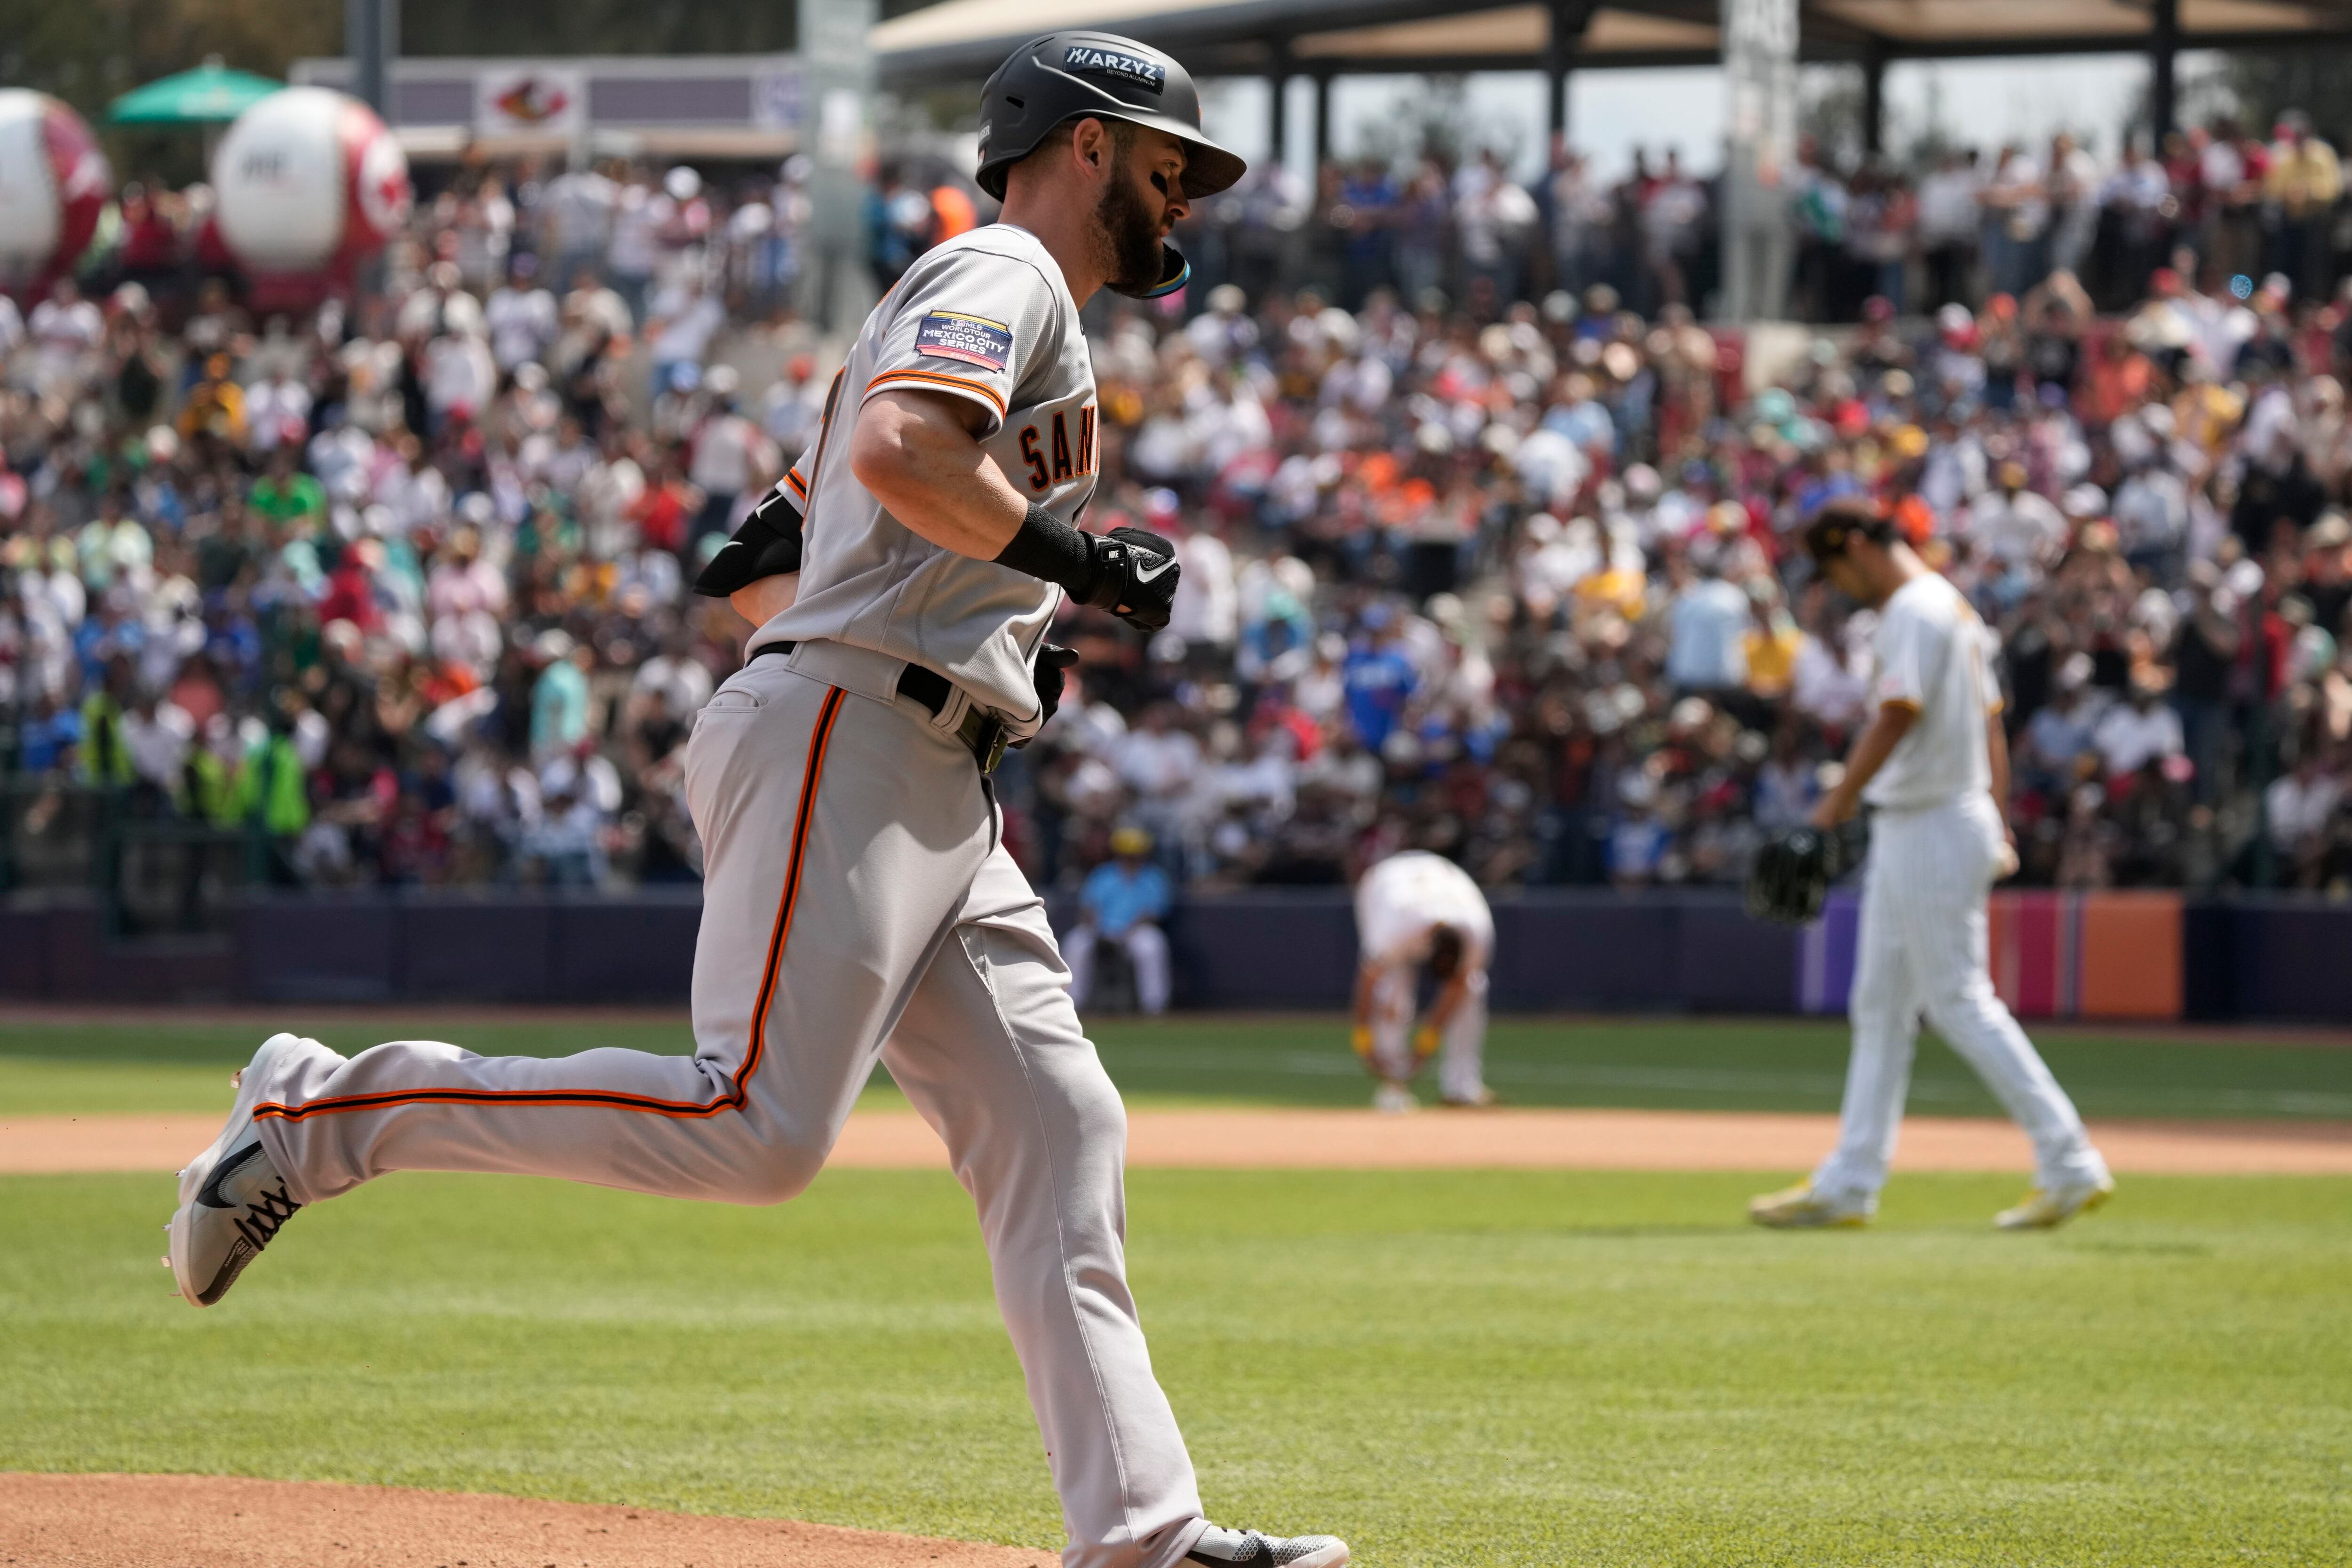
x=857 y=904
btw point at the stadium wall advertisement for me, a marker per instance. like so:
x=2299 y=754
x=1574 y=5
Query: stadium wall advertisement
x=2126 y=956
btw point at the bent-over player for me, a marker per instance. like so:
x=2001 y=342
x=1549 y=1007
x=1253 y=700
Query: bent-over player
x=1934 y=765
x=1415 y=911
x=859 y=900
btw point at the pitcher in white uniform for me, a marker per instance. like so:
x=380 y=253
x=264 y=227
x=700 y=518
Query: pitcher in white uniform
x=858 y=903
x=1934 y=767
x=1417 y=911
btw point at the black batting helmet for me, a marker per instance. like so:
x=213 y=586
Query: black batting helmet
x=1061 y=77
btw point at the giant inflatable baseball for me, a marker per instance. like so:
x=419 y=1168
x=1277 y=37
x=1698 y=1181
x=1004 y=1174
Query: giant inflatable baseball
x=308 y=183
x=54 y=182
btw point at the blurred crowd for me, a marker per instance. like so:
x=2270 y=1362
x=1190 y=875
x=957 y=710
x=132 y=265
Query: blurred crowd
x=1475 y=560
x=1963 y=224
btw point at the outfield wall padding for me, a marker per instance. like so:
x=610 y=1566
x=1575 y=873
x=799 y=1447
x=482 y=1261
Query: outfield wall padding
x=2126 y=956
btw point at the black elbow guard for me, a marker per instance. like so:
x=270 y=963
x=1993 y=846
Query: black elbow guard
x=767 y=545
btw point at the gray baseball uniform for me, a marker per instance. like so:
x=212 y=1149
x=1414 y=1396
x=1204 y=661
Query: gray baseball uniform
x=987 y=319
x=859 y=904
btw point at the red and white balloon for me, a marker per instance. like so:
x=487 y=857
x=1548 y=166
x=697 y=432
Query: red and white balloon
x=309 y=181
x=53 y=182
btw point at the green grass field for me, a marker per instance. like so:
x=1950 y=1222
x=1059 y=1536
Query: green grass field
x=1452 y=1368
x=1668 y=1063
x=1461 y=1369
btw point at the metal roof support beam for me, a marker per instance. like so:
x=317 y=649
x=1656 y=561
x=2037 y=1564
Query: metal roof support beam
x=1278 y=78
x=1568 y=20
x=1874 y=99
x=1322 y=118
x=2163 y=44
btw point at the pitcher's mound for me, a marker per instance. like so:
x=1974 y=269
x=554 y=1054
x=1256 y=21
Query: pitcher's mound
x=207 y=1521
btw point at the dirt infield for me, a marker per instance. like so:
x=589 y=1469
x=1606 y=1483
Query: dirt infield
x=1244 y=1138
x=205 y=1521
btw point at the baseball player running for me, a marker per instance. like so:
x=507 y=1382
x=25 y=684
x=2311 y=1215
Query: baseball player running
x=1934 y=766
x=858 y=902
x=1418 y=911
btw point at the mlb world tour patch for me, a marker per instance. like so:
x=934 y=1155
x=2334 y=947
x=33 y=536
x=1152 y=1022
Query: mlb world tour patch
x=975 y=340
x=1149 y=75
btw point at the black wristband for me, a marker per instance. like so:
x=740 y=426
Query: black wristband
x=1050 y=549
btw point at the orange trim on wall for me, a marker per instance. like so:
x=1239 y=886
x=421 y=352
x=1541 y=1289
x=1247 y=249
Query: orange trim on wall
x=2132 y=955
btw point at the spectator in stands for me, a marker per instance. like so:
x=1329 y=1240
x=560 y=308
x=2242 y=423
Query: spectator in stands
x=1124 y=901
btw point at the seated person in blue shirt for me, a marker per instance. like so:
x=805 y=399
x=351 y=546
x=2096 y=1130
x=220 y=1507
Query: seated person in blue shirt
x=1124 y=900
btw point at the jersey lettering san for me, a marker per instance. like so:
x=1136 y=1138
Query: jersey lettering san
x=1057 y=446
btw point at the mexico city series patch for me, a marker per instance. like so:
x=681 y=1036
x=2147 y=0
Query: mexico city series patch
x=974 y=339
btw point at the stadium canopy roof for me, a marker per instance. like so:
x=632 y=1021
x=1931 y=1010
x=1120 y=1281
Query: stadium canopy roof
x=1320 y=38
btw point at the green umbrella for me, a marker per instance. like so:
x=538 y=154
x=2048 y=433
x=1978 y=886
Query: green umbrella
x=210 y=94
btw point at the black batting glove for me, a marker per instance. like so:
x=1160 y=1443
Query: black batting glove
x=1134 y=577
x=1048 y=673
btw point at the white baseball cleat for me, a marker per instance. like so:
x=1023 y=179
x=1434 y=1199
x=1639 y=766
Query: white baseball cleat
x=232 y=1199
x=1802 y=1208
x=1226 y=1548
x=1392 y=1098
x=2047 y=1208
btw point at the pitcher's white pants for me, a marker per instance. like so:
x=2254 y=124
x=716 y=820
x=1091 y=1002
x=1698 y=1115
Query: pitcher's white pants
x=857 y=894
x=1147 y=949
x=1460 y=1066
x=1924 y=950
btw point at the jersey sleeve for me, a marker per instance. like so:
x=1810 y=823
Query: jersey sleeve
x=969 y=323
x=1988 y=652
x=1903 y=658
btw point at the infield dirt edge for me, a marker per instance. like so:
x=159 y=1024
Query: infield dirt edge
x=111 y=1520
x=1237 y=1137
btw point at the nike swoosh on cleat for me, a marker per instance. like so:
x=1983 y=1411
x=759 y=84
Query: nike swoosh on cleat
x=210 y=1193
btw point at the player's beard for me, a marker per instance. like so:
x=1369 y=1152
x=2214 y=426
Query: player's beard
x=1128 y=238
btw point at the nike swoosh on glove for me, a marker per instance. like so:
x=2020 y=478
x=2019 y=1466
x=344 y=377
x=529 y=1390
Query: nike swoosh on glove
x=767 y=545
x=1135 y=577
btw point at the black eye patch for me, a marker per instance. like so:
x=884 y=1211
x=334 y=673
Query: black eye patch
x=1160 y=184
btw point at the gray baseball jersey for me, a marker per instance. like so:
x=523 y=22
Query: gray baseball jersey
x=985 y=318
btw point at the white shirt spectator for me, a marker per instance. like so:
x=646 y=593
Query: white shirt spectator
x=1948 y=213
x=1208 y=603
x=459 y=374
x=637 y=229
x=790 y=411
x=275 y=410
x=577 y=209
x=2299 y=806
x=2024 y=527
x=2130 y=737
x=157 y=742
x=1157 y=763
x=67 y=328
x=682 y=680
x=684 y=320
x=2220 y=167
x=1707 y=623
x=522 y=324
x=729 y=454
x=2151 y=510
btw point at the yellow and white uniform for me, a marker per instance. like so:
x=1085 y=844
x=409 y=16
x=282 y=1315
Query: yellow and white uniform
x=1936 y=848
x=1400 y=904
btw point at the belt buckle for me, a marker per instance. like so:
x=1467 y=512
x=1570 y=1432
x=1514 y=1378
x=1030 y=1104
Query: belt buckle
x=986 y=736
x=989 y=746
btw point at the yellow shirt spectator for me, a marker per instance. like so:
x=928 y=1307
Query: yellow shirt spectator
x=2305 y=176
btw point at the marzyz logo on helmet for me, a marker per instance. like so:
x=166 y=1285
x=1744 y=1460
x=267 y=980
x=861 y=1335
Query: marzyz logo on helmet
x=1089 y=59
